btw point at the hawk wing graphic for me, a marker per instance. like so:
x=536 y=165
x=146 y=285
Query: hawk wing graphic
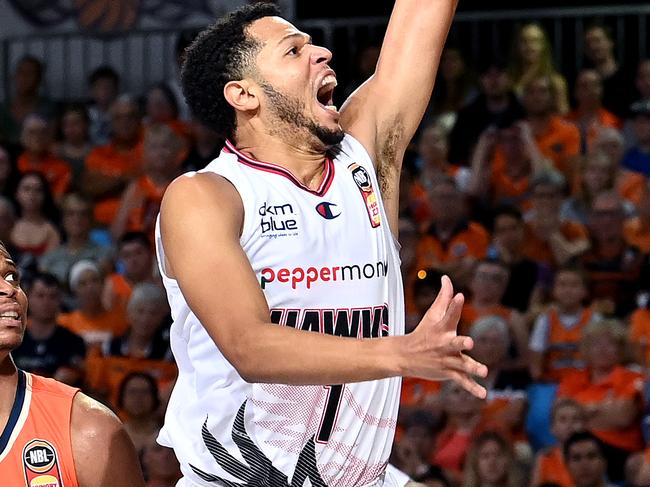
x=258 y=470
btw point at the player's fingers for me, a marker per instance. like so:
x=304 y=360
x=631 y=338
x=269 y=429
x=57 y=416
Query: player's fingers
x=469 y=384
x=450 y=319
x=460 y=344
x=466 y=365
x=439 y=307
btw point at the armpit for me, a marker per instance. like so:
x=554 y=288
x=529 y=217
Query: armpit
x=389 y=156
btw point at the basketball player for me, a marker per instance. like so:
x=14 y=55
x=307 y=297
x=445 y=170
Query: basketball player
x=280 y=266
x=52 y=435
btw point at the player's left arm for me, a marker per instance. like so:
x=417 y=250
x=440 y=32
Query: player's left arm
x=104 y=455
x=384 y=113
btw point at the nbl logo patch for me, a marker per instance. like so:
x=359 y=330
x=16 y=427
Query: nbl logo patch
x=41 y=465
x=364 y=183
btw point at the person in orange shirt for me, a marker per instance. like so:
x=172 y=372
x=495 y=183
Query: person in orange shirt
x=136 y=259
x=92 y=321
x=555 y=341
x=590 y=116
x=140 y=203
x=567 y=417
x=53 y=435
x=550 y=241
x=487 y=286
x=557 y=139
x=451 y=244
x=640 y=331
x=36 y=138
x=609 y=393
x=110 y=168
x=503 y=163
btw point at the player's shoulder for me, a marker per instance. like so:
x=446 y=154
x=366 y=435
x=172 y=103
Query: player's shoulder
x=202 y=188
x=91 y=420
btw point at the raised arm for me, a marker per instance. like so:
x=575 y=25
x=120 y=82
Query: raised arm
x=385 y=111
x=221 y=288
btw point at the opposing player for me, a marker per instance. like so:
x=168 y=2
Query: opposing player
x=52 y=435
x=279 y=262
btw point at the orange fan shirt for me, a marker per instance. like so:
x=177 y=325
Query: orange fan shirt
x=471 y=313
x=640 y=330
x=470 y=240
x=56 y=171
x=560 y=142
x=143 y=217
x=636 y=235
x=96 y=330
x=552 y=469
x=604 y=118
x=36 y=444
x=540 y=251
x=109 y=161
x=621 y=383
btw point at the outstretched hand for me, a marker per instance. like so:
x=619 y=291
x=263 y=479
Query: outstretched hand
x=436 y=348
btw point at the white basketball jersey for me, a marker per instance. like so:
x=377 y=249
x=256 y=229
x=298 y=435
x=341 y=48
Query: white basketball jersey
x=327 y=263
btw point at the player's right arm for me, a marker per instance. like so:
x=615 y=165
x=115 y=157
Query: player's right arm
x=201 y=220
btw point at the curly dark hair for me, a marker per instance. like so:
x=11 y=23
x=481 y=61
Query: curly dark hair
x=222 y=53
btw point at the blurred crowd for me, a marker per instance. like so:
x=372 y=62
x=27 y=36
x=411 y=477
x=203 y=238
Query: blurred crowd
x=529 y=189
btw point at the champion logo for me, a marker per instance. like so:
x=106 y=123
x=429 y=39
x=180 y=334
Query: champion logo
x=324 y=209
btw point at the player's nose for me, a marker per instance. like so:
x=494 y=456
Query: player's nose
x=320 y=55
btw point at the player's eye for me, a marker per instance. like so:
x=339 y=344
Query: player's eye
x=12 y=277
x=293 y=51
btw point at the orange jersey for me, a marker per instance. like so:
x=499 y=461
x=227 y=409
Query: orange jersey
x=560 y=142
x=36 y=445
x=56 y=171
x=550 y=467
x=540 y=251
x=471 y=313
x=630 y=186
x=471 y=240
x=111 y=162
x=563 y=350
x=621 y=383
x=143 y=217
x=415 y=391
x=98 y=329
x=604 y=118
x=506 y=190
x=121 y=289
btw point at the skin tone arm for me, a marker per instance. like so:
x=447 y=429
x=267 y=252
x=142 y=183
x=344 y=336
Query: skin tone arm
x=234 y=311
x=384 y=113
x=103 y=452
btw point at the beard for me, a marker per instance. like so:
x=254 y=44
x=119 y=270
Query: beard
x=291 y=112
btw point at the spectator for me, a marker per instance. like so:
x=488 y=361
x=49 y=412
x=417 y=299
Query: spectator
x=555 y=340
x=36 y=138
x=636 y=162
x=587 y=460
x=609 y=393
x=416 y=444
x=110 y=168
x=454 y=88
x=589 y=115
x=205 y=148
x=432 y=164
x=49 y=349
x=452 y=244
x=7 y=222
x=567 y=417
x=146 y=310
x=138 y=402
x=495 y=106
x=557 y=139
x=160 y=465
x=136 y=259
x=506 y=402
x=491 y=463
x=598 y=173
x=550 y=241
x=508 y=233
x=613 y=267
x=487 y=285
x=104 y=84
x=75 y=144
x=8 y=174
x=95 y=323
x=637 y=230
x=503 y=163
x=34 y=232
x=26 y=98
x=532 y=59
x=617 y=84
x=77 y=221
x=642 y=83
x=140 y=202
x=161 y=107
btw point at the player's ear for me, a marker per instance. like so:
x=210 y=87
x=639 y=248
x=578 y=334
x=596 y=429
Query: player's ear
x=241 y=95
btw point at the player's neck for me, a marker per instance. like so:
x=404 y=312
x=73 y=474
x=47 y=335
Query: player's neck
x=305 y=164
x=8 y=384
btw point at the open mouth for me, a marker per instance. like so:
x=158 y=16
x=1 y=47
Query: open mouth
x=325 y=93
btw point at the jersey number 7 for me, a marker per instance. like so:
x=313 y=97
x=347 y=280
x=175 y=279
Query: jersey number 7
x=330 y=413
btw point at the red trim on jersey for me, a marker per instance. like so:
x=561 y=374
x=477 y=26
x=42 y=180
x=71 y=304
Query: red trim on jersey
x=281 y=171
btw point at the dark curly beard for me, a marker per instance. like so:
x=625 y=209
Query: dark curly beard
x=291 y=111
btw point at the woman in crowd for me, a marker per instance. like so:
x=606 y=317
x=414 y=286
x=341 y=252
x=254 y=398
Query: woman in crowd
x=138 y=402
x=490 y=463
